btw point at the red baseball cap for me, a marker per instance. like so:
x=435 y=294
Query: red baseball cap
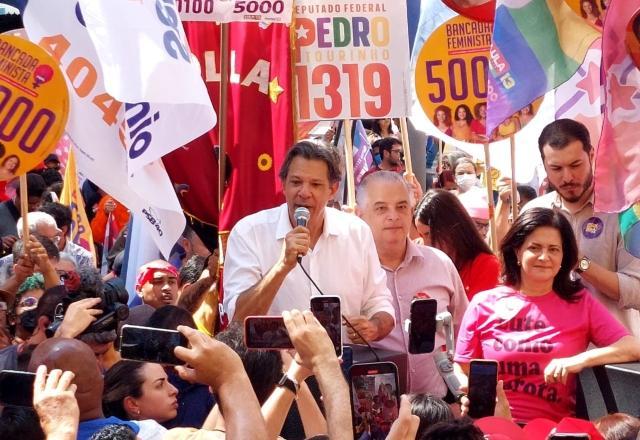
x=540 y=429
x=499 y=428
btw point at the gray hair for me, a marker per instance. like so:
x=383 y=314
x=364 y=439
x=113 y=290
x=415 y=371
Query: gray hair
x=385 y=177
x=36 y=219
x=68 y=257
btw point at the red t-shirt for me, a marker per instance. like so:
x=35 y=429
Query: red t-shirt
x=483 y=273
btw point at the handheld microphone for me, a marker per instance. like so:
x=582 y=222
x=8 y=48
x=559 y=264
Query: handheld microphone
x=301 y=215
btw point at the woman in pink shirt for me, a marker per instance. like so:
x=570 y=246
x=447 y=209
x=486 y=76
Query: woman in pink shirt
x=540 y=324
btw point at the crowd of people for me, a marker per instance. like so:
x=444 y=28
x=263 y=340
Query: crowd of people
x=62 y=319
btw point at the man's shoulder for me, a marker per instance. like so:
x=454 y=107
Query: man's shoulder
x=344 y=222
x=544 y=201
x=263 y=218
x=432 y=255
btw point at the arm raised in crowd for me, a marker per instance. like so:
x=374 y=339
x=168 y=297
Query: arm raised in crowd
x=315 y=352
x=55 y=403
x=227 y=378
x=276 y=407
x=192 y=295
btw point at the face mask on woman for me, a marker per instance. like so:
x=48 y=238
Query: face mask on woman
x=466 y=181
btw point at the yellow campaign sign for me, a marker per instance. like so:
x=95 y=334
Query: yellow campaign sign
x=451 y=82
x=34 y=105
x=451 y=77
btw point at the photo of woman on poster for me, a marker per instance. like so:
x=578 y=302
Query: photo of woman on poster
x=462 y=124
x=589 y=11
x=442 y=119
x=479 y=124
x=9 y=167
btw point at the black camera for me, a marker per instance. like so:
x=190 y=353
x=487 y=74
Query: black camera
x=114 y=299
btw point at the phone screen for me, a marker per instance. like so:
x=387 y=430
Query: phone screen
x=483 y=378
x=266 y=332
x=326 y=309
x=16 y=388
x=423 y=326
x=149 y=344
x=374 y=398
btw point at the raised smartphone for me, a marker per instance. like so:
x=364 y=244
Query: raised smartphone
x=422 y=331
x=266 y=333
x=483 y=378
x=375 y=398
x=327 y=311
x=148 y=344
x=16 y=388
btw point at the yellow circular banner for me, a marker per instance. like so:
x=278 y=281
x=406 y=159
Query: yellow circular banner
x=451 y=77
x=34 y=105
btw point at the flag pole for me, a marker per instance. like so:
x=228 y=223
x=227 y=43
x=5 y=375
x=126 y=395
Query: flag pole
x=24 y=209
x=222 y=111
x=492 y=220
x=294 y=82
x=408 y=167
x=348 y=163
x=514 y=185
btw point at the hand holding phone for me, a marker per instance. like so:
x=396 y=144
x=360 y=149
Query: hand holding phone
x=483 y=380
x=147 y=344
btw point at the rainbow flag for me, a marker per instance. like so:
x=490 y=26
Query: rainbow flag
x=362 y=159
x=630 y=229
x=617 y=171
x=536 y=46
x=72 y=197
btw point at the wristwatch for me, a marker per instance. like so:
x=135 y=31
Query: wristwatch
x=583 y=264
x=289 y=383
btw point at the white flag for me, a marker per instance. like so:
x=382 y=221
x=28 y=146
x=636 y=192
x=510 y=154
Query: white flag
x=97 y=123
x=145 y=58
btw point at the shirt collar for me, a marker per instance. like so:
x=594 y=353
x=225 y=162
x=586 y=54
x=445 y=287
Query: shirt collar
x=412 y=251
x=558 y=203
x=331 y=223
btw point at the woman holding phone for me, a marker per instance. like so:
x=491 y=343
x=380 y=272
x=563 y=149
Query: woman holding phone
x=539 y=325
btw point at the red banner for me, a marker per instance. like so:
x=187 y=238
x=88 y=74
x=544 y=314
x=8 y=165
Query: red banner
x=259 y=123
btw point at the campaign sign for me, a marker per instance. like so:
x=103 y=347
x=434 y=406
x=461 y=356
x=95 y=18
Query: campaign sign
x=451 y=82
x=351 y=59
x=34 y=105
x=226 y=11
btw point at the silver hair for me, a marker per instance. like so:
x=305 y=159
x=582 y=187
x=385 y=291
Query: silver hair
x=386 y=177
x=36 y=219
x=68 y=257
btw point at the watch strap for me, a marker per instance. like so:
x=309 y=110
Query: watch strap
x=289 y=383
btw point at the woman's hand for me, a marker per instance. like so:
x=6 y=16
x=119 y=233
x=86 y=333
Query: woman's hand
x=558 y=370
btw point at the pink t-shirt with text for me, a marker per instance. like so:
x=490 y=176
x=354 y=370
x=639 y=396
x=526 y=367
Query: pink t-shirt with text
x=524 y=333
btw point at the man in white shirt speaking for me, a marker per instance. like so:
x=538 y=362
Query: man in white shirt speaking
x=261 y=273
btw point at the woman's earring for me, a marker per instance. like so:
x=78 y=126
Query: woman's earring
x=518 y=262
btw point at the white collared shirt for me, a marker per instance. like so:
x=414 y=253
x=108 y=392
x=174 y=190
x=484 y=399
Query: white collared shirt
x=344 y=262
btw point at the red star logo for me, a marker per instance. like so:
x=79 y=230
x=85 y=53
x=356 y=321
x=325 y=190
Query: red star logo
x=591 y=82
x=621 y=95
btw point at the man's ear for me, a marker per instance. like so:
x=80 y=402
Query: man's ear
x=333 y=187
x=359 y=211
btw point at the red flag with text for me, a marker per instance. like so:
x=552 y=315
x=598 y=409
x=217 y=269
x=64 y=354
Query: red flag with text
x=259 y=122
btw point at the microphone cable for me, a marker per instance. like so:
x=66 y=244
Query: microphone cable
x=346 y=321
